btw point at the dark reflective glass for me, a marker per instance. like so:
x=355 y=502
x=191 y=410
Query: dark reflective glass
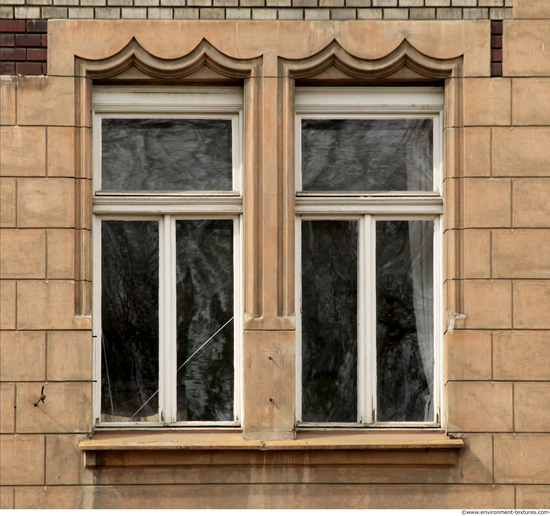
x=329 y=321
x=204 y=256
x=166 y=154
x=367 y=155
x=130 y=320
x=404 y=326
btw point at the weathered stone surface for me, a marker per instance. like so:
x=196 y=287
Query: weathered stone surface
x=479 y=407
x=7 y=297
x=61 y=152
x=532 y=497
x=45 y=203
x=487 y=203
x=522 y=459
x=477 y=253
x=531 y=304
x=7 y=202
x=67 y=408
x=526 y=51
x=47 y=305
x=531 y=105
x=64 y=460
x=521 y=253
x=22 y=356
x=7 y=410
x=477 y=155
x=531 y=201
x=468 y=355
x=487 y=304
x=61 y=250
x=46 y=100
x=23 y=151
x=7 y=498
x=272 y=496
x=487 y=101
x=22 y=253
x=269 y=375
x=531 y=9
x=22 y=459
x=521 y=355
x=521 y=151
x=532 y=407
x=7 y=106
x=69 y=355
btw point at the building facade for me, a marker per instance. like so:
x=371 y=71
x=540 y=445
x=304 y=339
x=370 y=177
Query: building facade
x=271 y=254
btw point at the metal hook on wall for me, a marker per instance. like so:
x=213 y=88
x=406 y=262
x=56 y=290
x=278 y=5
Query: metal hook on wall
x=42 y=397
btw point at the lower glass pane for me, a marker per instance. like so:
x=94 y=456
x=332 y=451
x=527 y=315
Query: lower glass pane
x=205 y=326
x=404 y=325
x=130 y=320
x=329 y=320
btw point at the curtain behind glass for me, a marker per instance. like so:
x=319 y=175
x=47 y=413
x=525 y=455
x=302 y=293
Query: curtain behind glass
x=404 y=318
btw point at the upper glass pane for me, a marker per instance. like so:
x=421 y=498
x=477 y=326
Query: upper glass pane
x=166 y=154
x=394 y=154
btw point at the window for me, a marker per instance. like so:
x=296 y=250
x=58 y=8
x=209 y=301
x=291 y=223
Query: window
x=369 y=209
x=167 y=247
x=168 y=269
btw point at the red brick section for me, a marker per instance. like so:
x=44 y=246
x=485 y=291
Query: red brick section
x=23 y=47
x=496 y=48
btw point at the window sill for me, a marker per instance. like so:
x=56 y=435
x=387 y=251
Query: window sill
x=207 y=449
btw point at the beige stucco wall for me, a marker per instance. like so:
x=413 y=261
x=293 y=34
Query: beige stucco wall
x=497 y=191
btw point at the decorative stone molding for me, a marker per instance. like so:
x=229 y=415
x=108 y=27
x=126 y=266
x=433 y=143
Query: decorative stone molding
x=335 y=66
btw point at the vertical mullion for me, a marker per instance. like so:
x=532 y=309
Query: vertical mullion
x=237 y=320
x=369 y=331
x=163 y=415
x=237 y=151
x=362 y=372
x=97 y=331
x=298 y=303
x=167 y=321
x=438 y=322
x=438 y=152
x=96 y=153
x=172 y=342
x=298 y=156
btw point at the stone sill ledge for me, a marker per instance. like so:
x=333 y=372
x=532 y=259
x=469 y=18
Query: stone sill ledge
x=311 y=449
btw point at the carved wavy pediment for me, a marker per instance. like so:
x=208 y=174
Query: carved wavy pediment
x=133 y=63
x=334 y=64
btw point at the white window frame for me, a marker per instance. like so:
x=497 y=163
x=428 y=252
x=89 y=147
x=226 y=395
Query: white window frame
x=167 y=208
x=367 y=208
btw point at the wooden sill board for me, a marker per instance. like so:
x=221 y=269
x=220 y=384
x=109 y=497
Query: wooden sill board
x=209 y=440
